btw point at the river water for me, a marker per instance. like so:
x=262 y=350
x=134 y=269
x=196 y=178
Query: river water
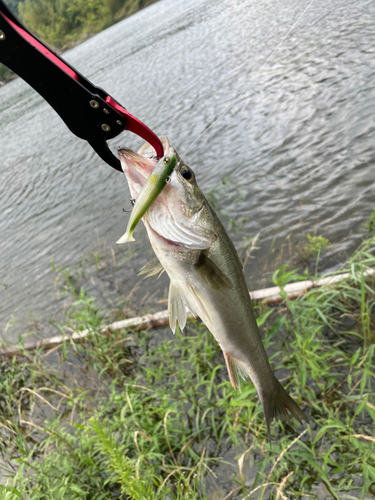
x=293 y=155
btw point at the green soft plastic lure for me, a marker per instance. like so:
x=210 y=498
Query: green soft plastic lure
x=148 y=194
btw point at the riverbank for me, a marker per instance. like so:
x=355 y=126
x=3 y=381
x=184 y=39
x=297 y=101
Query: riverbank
x=151 y=415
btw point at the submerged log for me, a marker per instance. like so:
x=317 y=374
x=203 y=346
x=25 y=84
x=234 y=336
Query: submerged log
x=161 y=318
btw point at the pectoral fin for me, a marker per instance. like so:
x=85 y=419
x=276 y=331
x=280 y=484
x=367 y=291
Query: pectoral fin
x=176 y=307
x=197 y=307
x=151 y=268
x=210 y=273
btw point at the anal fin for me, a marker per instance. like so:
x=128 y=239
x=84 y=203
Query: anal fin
x=210 y=273
x=235 y=369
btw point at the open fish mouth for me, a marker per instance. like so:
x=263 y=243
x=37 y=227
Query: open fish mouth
x=137 y=169
x=168 y=216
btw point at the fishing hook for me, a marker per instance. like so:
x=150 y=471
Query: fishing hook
x=132 y=201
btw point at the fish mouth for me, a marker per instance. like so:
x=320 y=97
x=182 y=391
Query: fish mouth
x=137 y=169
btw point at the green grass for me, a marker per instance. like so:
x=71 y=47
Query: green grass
x=146 y=415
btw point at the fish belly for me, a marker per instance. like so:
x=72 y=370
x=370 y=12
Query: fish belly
x=227 y=314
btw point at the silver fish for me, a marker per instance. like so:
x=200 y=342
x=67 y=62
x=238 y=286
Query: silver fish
x=206 y=275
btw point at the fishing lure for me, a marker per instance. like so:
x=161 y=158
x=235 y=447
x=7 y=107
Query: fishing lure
x=149 y=192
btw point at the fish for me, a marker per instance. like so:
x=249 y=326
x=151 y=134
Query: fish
x=149 y=192
x=206 y=277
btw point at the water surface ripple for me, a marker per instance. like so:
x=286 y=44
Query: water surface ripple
x=295 y=154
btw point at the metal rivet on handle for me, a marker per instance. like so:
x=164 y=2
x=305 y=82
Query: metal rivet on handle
x=106 y=127
x=106 y=111
x=94 y=104
x=2 y=35
x=119 y=122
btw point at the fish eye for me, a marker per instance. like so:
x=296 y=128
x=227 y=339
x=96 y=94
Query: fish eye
x=187 y=173
x=166 y=160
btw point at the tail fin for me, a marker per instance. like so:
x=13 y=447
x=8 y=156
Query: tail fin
x=125 y=238
x=280 y=406
x=276 y=401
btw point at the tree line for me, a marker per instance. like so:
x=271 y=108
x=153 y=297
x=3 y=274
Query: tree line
x=62 y=24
